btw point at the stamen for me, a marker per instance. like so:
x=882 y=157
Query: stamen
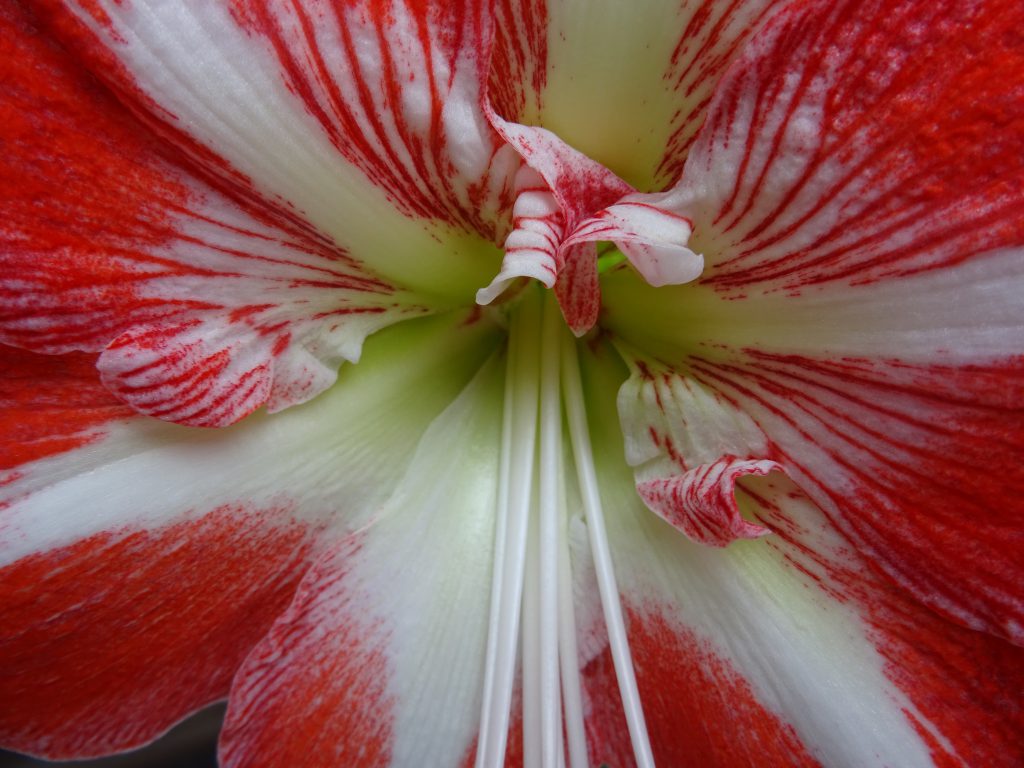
x=532 y=581
x=515 y=496
x=548 y=544
x=583 y=454
x=572 y=697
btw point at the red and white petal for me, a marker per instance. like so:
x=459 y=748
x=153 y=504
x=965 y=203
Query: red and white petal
x=380 y=659
x=141 y=561
x=701 y=501
x=556 y=189
x=652 y=238
x=837 y=155
x=532 y=247
x=626 y=84
x=566 y=202
x=792 y=646
x=861 y=305
x=205 y=307
x=365 y=124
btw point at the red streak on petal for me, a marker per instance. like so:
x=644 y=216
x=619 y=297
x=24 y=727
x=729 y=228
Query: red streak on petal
x=315 y=691
x=107 y=642
x=700 y=710
x=49 y=405
x=916 y=465
x=963 y=682
x=519 y=57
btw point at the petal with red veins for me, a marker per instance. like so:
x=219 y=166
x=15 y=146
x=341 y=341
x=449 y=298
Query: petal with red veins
x=380 y=659
x=140 y=561
x=793 y=645
x=861 y=303
x=658 y=59
x=204 y=307
x=700 y=501
x=363 y=118
x=652 y=238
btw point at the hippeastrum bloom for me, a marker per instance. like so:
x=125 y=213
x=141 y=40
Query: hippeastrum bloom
x=686 y=427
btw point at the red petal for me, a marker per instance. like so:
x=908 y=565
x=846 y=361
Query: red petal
x=41 y=419
x=835 y=154
x=108 y=642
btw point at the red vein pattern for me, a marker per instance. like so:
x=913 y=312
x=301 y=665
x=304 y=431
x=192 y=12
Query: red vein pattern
x=701 y=501
x=960 y=683
x=870 y=169
x=204 y=307
x=916 y=466
x=518 y=67
x=395 y=86
x=713 y=36
x=108 y=642
x=895 y=147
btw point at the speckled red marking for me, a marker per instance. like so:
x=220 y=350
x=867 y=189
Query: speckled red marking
x=701 y=502
x=918 y=466
x=107 y=642
x=314 y=692
x=965 y=683
x=605 y=721
x=700 y=711
x=50 y=404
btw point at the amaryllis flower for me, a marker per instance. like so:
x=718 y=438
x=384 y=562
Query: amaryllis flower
x=681 y=422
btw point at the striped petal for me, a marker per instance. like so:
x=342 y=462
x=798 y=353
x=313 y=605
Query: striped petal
x=858 y=322
x=140 y=562
x=380 y=659
x=217 y=282
x=364 y=120
x=788 y=650
x=204 y=307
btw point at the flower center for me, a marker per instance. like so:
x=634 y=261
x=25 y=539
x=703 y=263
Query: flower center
x=565 y=204
x=532 y=588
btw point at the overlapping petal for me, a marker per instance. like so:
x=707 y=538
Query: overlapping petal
x=141 y=561
x=216 y=276
x=846 y=374
x=363 y=118
x=859 y=207
x=204 y=306
x=788 y=650
x=380 y=660
x=662 y=61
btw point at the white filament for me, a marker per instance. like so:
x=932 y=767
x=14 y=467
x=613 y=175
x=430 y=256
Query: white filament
x=531 y=591
x=572 y=388
x=514 y=501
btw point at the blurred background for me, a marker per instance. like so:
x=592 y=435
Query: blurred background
x=190 y=744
